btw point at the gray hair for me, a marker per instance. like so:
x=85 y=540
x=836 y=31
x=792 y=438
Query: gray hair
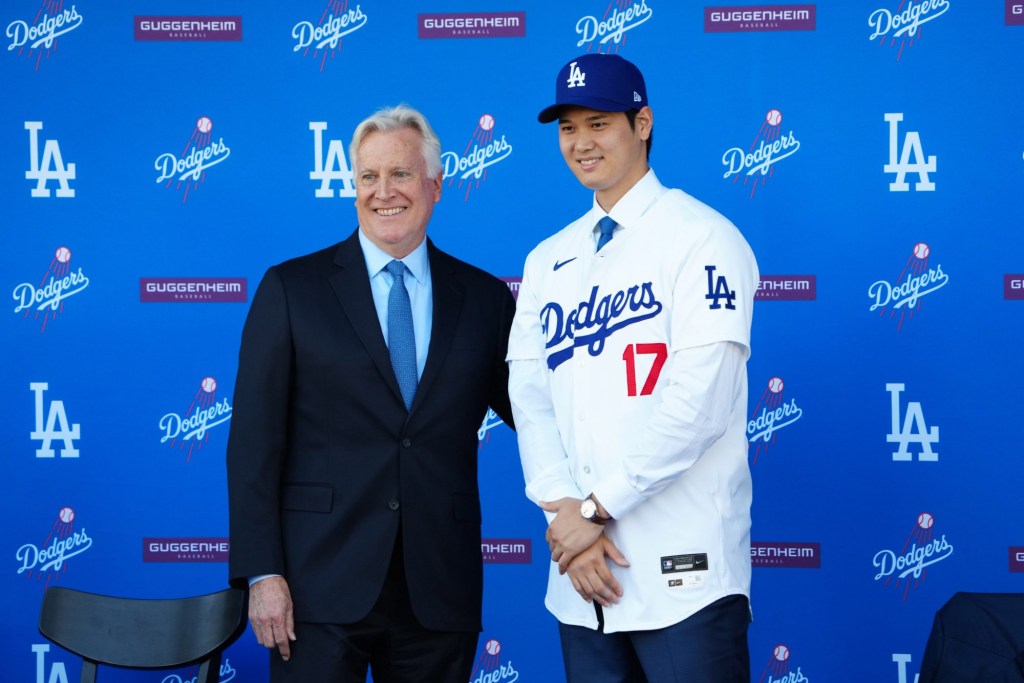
x=389 y=119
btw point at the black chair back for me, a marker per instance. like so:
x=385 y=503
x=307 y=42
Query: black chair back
x=144 y=634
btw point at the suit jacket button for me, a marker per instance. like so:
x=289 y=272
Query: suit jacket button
x=392 y=504
x=406 y=442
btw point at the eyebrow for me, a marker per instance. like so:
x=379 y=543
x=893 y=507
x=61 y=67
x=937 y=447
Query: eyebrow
x=592 y=117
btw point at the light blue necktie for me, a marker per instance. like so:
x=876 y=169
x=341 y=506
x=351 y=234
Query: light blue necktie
x=606 y=225
x=401 y=339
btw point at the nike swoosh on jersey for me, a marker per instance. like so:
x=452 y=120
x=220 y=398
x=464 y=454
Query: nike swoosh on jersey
x=559 y=264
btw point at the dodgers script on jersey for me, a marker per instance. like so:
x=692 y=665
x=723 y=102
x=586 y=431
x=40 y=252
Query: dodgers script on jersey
x=606 y=328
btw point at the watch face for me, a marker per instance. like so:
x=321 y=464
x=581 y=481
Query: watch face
x=588 y=509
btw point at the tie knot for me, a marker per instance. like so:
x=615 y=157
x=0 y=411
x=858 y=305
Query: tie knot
x=397 y=269
x=606 y=225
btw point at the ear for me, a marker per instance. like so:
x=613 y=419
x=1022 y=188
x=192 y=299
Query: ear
x=645 y=122
x=437 y=187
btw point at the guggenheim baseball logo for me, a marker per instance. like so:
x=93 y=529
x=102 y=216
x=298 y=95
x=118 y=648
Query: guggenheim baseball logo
x=907 y=567
x=506 y=550
x=200 y=153
x=1014 y=13
x=203 y=414
x=323 y=39
x=787 y=288
x=188 y=28
x=1013 y=286
x=608 y=31
x=480 y=153
x=193 y=290
x=50 y=558
x=785 y=555
x=756 y=163
x=44 y=298
x=902 y=26
x=185 y=549
x=39 y=36
x=1017 y=559
x=759 y=18
x=473 y=25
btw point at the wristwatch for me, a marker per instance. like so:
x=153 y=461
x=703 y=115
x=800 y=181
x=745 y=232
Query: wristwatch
x=588 y=509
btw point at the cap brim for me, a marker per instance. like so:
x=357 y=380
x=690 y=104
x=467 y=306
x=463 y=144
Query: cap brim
x=552 y=113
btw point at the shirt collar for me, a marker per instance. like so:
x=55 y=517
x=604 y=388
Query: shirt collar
x=417 y=261
x=632 y=206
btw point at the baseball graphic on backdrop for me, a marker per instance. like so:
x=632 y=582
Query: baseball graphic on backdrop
x=209 y=385
x=921 y=250
x=493 y=647
x=775 y=385
x=781 y=653
x=204 y=124
x=925 y=520
x=66 y=515
x=63 y=254
x=486 y=122
x=773 y=117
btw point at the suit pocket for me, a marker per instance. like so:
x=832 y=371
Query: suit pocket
x=307 y=497
x=467 y=509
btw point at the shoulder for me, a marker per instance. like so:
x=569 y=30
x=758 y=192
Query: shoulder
x=473 y=277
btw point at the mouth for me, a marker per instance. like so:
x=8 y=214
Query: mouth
x=588 y=163
x=389 y=212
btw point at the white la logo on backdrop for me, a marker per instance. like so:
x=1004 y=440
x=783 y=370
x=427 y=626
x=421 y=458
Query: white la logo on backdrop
x=921 y=165
x=914 y=418
x=334 y=167
x=901 y=663
x=58 y=673
x=51 y=167
x=56 y=417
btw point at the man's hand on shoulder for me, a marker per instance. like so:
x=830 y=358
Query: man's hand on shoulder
x=271 y=616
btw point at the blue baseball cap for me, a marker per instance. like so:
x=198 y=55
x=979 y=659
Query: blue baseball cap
x=597 y=81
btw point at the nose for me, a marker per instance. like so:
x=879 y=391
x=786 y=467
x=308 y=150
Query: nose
x=383 y=188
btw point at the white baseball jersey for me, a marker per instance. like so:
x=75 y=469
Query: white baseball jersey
x=629 y=381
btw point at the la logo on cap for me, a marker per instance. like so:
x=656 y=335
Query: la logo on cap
x=576 y=77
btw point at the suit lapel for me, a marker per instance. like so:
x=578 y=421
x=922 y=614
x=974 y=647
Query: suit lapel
x=448 y=297
x=351 y=285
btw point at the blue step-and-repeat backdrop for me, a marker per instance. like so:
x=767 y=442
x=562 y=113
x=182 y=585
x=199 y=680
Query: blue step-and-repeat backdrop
x=157 y=157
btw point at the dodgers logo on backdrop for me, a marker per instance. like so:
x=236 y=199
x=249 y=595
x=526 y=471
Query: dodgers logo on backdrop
x=603 y=313
x=225 y=673
x=57 y=284
x=203 y=414
x=914 y=429
x=904 y=164
x=58 y=672
x=50 y=167
x=490 y=666
x=50 y=558
x=901 y=661
x=760 y=18
x=57 y=426
x=771 y=414
x=491 y=420
x=903 y=295
x=481 y=152
x=40 y=35
x=906 y=566
x=201 y=153
x=756 y=163
x=608 y=31
x=334 y=167
x=323 y=39
x=778 y=669
x=903 y=24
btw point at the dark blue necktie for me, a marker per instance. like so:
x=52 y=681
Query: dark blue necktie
x=606 y=225
x=401 y=339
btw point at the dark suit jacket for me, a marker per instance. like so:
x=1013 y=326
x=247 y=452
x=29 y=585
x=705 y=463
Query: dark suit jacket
x=324 y=460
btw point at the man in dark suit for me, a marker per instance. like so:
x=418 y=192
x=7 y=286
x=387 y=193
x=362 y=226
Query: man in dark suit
x=364 y=373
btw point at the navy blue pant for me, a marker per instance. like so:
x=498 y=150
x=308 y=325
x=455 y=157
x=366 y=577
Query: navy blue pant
x=708 y=647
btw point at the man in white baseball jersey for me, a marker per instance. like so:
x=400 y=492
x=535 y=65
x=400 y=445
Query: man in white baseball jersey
x=628 y=384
